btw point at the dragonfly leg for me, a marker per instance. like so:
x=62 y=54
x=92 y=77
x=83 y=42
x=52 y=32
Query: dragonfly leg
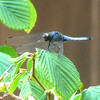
x=56 y=45
x=61 y=49
x=49 y=45
x=50 y=48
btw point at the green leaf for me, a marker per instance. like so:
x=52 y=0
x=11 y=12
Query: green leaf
x=33 y=17
x=29 y=64
x=18 y=62
x=92 y=93
x=23 y=56
x=16 y=69
x=15 y=14
x=31 y=88
x=76 y=97
x=8 y=50
x=60 y=73
x=15 y=83
x=0 y=20
x=24 y=79
x=4 y=86
x=5 y=64
x=44 y=96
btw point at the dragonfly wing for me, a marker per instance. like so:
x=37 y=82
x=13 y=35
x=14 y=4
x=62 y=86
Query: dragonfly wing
x=53 y=47
x=61 y=50
x=57 y=43
x=19 y=40
x=30 y=47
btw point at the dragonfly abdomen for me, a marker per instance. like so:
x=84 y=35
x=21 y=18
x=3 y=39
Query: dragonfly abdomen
x=67 y=38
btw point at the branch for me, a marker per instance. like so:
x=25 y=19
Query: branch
x=49 y=96
x=6 y=72
x=35 y=77
x=13 y=95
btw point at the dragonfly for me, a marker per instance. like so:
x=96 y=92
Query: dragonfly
x=52 y=41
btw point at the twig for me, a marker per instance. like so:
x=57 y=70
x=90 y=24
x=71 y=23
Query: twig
x=35 y=77
x=49 y=96
x=16 y=97
x=13 y=95
x=6 y=72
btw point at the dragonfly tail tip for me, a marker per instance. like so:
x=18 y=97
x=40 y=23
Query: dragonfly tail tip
x=90 y=38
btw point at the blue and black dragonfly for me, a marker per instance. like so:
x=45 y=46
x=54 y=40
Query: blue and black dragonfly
x=52 y=41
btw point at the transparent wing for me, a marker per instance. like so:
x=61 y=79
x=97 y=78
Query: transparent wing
x=19 y=40
x=27 y=43
x=54 y=47
x=57 y=46
x=30 y=47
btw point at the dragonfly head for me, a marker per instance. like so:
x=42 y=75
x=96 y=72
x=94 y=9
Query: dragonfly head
x=46 y=36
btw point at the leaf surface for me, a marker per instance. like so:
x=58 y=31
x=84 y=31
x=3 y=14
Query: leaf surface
x=56 y=72
x=15 y=13
x=31 y=88
x=92 y=93
x=4 y=65
x=8 y=50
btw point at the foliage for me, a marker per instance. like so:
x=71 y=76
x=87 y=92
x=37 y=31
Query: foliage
x=92 y=93
x=54 y=75
x=45 y=72
x=18 y=14
x=8 y=50
x=57 y=72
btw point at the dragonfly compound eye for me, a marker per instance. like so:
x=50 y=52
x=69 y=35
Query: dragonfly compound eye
x=46 y=36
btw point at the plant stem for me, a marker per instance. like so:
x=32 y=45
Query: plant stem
x=13 y=95
x=49 y=96
x=6 y=72
x=35 y=77
x=39 y=83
